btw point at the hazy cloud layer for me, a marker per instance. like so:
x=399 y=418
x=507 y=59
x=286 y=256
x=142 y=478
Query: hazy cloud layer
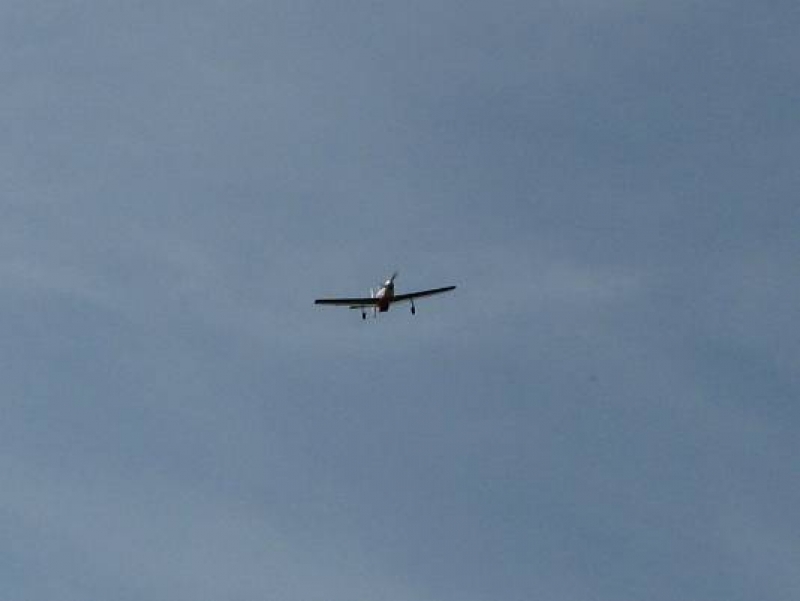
x=605 y=409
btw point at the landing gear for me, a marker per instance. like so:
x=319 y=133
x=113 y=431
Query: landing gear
x=363 y=315
x=413 y=308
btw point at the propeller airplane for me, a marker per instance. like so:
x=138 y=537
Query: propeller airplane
x=381 y=298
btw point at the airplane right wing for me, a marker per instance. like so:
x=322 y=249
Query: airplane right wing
x=353 y=303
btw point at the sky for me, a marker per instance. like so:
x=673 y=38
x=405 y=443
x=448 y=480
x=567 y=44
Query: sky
x=605 y=409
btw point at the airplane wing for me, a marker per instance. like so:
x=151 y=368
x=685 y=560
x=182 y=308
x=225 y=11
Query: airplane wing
x=353 y=303
x=398 y=298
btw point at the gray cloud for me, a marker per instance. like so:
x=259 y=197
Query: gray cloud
x=603 y=410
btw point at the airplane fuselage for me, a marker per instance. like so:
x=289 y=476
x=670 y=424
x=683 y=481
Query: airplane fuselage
x=384 y=295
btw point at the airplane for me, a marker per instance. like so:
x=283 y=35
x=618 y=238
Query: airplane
x=381 y=298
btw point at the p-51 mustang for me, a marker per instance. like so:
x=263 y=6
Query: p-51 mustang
x=381 y=298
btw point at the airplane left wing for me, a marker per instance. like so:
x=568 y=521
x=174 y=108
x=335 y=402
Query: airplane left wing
x=353 y=303
x=397 y=298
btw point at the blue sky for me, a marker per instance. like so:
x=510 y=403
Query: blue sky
x=605 y=409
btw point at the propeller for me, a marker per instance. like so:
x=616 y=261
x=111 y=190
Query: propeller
x=390 y=281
